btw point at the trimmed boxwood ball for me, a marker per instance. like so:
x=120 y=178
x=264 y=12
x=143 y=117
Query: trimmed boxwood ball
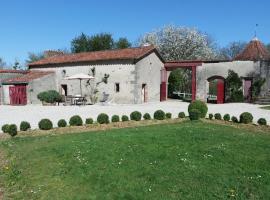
x=159 y=115
x=234 y=119
x=5 y=128
x=194 y=114
x=124 y=118
x=227 y=117
x=246 y=118
x=211 y=116
x=12 y=130
x=115 y=118
x=136 y=116
x=61 y=123
x=103 y=119
x=218 y=116
x=262 y=121
x=76 y=120
x=89 y=121
x=146 y=116
x=24 y=126
x=168 y=115
x=45 y=124
x=199 y=105
x=181 y=115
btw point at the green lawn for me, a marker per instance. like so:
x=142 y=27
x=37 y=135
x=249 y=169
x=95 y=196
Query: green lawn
x=181 y=161
x=266 y=107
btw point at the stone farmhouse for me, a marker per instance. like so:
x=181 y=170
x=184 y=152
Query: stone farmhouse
x=136 y=75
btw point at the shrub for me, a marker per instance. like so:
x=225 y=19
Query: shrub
x=124 y=118
x=115 y=118
x=181 y=115
x=147 y=116
x=227 y=117
x=103 y=119
x=234 y=119
x=136 y=116
x=246 y=118
x=5 y=128
x=211 y=116
x=62 y=123
x=89 y=121
x=12 y=130
x=50 y=96
x=199 y=105
x=168 y=115
x=45 y=124
x=218 y=116
x=159 y=115
x=76 y=120
x=262 y=121
x=194 y=114
x=24 y=126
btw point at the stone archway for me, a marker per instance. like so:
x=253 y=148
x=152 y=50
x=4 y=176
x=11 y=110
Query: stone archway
x=216 y=92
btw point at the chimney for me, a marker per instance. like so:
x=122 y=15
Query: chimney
x=51 y=53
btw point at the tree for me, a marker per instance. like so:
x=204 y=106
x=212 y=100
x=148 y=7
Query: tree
x=17 y=65
x=177 y=81
x=122 y=43
x=232 y=50
x=102 y=41
x=234 y=87
x=268 y=47
x=2 y=63
x=33 y=57
x=180 y=43
x=80 y=44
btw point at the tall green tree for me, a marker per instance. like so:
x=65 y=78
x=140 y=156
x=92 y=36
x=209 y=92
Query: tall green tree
x=98 y=42
x=102 y=41
x=122 y=43
x=80 y=44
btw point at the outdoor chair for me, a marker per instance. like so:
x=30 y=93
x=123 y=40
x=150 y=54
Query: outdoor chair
x=68 y=100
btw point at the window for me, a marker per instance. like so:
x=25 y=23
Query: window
x=117 y=87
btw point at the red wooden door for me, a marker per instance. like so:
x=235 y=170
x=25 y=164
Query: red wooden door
x=247 y=90
x=18 y=95
x=220 y=91
x=163 y=91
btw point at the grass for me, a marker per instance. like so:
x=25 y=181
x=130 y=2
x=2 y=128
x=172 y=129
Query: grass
x=177 y=161
x=266 y=107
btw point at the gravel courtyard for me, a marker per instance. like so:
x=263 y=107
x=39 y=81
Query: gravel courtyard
x=34 y=113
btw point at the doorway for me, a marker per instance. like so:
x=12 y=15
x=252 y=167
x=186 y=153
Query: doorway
x=247 y=90
x=144 y=93
x=216 y=90
x=64 y=90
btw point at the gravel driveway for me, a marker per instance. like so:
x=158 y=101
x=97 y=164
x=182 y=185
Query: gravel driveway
x=34 y=113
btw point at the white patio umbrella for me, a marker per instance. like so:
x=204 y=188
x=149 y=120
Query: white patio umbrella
x=80 y=76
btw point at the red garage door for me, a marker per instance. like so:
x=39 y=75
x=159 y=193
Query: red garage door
x=17 y=95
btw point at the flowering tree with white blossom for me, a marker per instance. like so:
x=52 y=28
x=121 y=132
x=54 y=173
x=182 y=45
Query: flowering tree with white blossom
x=180 y=43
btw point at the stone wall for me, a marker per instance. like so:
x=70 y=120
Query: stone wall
x=208 y=70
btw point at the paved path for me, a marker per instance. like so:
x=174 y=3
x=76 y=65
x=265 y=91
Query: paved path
x=34 y=113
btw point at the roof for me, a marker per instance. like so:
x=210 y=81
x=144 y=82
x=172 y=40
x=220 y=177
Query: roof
x=254 y=51
x=28 y=77
x=135 y=54
x=12 y=71
x=189 y=63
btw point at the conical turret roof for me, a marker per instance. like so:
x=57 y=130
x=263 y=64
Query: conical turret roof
x=254 y=51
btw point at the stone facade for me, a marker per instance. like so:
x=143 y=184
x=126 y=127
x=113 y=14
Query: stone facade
x=130 y=77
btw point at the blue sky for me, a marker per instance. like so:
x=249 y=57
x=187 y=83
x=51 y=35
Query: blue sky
x=35 y=25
